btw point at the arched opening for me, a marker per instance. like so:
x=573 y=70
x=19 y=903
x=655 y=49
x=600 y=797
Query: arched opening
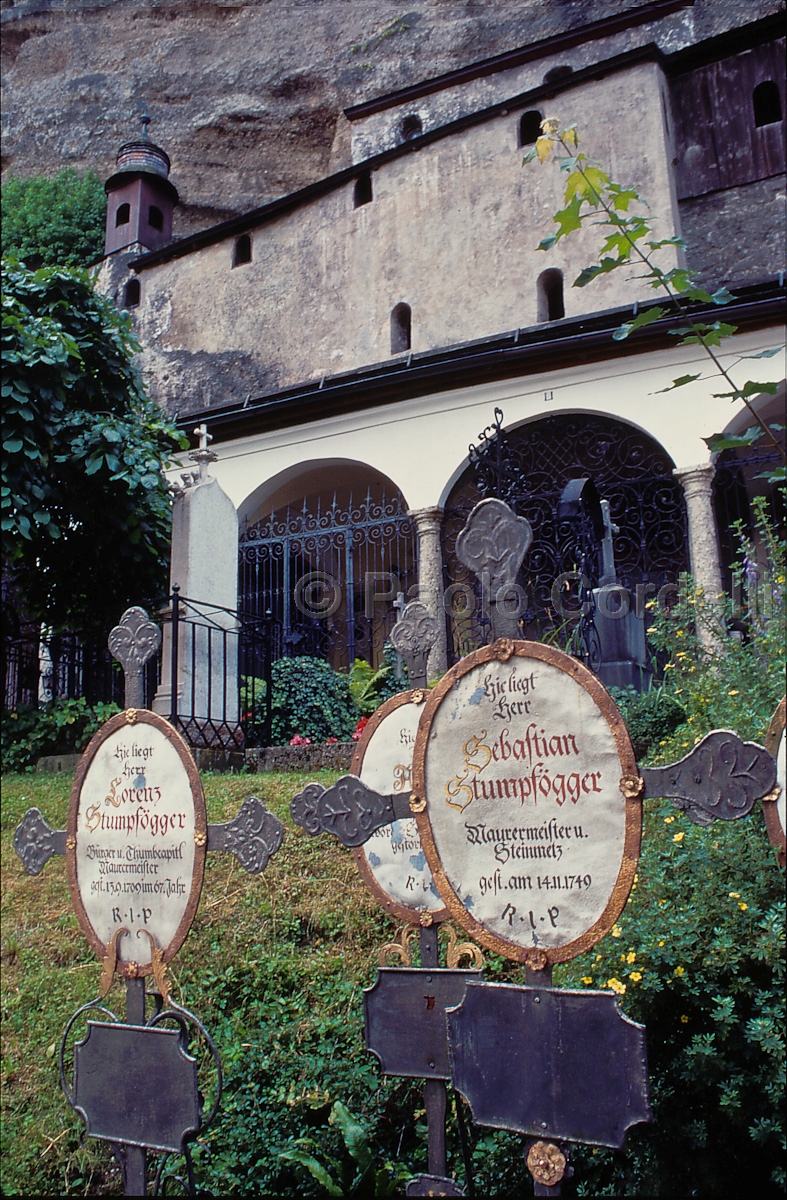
x=549 y=295
x=363 y=189
x=767 y=103
x=741 y=478
x=630 y=469
x=123 y=215
x=155 y=217
x=401 y=328
x=241 y=251
x=131 y=294
x=529 y=127
x=410 y=127
x=326 y=554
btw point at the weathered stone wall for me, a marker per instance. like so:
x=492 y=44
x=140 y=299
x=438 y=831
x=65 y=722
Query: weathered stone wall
x=452 y=231
x=247 y=96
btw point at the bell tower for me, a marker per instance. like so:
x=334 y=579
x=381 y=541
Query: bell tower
x=140 y=197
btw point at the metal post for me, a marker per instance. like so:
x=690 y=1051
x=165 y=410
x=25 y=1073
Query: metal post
x=541 y=978
x=434 y=1089
x=268 y=676
x=174 y=674
x=135 y=1165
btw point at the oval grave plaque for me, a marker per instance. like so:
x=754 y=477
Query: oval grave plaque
x=392 y=862
x=532 y=823
x=774 y=810
x=136 y=840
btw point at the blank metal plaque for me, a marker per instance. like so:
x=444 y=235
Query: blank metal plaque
x=404 y=1018
x=136 y=1085
x=549 y=1062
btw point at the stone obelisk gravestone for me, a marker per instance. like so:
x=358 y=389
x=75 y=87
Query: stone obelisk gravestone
x=135 y=851
x=204 y=570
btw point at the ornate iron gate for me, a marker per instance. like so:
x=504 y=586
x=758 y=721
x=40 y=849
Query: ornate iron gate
x=325 y=578
x=630 y=469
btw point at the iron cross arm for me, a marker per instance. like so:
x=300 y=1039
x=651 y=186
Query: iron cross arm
x=720 y=779
x=348 y=809
x=253 y=836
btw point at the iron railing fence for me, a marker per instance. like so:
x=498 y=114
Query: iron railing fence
x=38 y=668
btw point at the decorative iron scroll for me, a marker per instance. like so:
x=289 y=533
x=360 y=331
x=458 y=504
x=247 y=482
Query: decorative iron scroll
x=496 y=471
x=349 y=810
x=253 y=836
x=413 y=638
x=719 y=780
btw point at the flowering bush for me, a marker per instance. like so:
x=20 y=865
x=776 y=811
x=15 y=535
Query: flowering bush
x=359 y=728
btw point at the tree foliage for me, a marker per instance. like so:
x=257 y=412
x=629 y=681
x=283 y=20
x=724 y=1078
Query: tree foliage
x=54 y=222
x=85 y=507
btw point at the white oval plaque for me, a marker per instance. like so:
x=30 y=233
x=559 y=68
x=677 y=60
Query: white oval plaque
x=136 y=840
x=392 y=862
x=531 y=824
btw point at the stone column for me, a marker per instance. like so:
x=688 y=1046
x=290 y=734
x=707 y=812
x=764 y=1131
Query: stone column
x=428 y=523
x=697 y=484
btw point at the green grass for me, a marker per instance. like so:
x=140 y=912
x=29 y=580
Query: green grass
x=308 y=919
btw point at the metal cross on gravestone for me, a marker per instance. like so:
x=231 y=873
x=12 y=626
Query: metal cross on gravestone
x=135 y=851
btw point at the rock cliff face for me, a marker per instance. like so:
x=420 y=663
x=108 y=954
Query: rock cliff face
x=246 y=95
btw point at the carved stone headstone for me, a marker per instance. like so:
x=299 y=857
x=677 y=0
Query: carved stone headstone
x=493 y=544
x=413 y=637
x=133 y=641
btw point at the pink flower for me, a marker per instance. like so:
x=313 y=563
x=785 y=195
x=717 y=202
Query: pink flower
x=300 y=741
x=328 y=741
x=359 y=728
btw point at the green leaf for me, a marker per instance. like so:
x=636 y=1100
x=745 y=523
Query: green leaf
x=315 y=1168
x=355 y=1135
x=775 y=475
x=646 y=317
x=568 y=218
x=547 y=243
x=723 y=296
x=731 y=441
x=764 y=353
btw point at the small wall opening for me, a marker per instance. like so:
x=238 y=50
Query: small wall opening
x=241 y=251
x=401 y=327
x=557 y=74
x=550 y=295
x=155 y=218
x=131 y=294
x=410 y=127
x=529 y=127
x=767 y=103
x=363 y=189
x=123 y=215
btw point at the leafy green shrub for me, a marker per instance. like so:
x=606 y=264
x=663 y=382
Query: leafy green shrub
x=311 y=700
x=60 y=727
x=54 y=222
x=651 y=717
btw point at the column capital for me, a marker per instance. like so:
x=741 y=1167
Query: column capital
x=427 y=518
x=698 y=478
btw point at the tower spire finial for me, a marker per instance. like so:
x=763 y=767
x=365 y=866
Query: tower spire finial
x=144 y=118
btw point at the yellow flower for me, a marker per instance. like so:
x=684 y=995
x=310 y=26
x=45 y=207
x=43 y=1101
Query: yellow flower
x=684 y=1020
x=635 y=975
x=662 y=943
x=733 y=693
x=616 y=986
x=735 y=895
x=631 y=957
x=743 y=907
x=616 y=931
x=587 y=978
x=679 y=972
x=678 y=633
x=679 y=836
x=668 y=820
x=598 y=958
